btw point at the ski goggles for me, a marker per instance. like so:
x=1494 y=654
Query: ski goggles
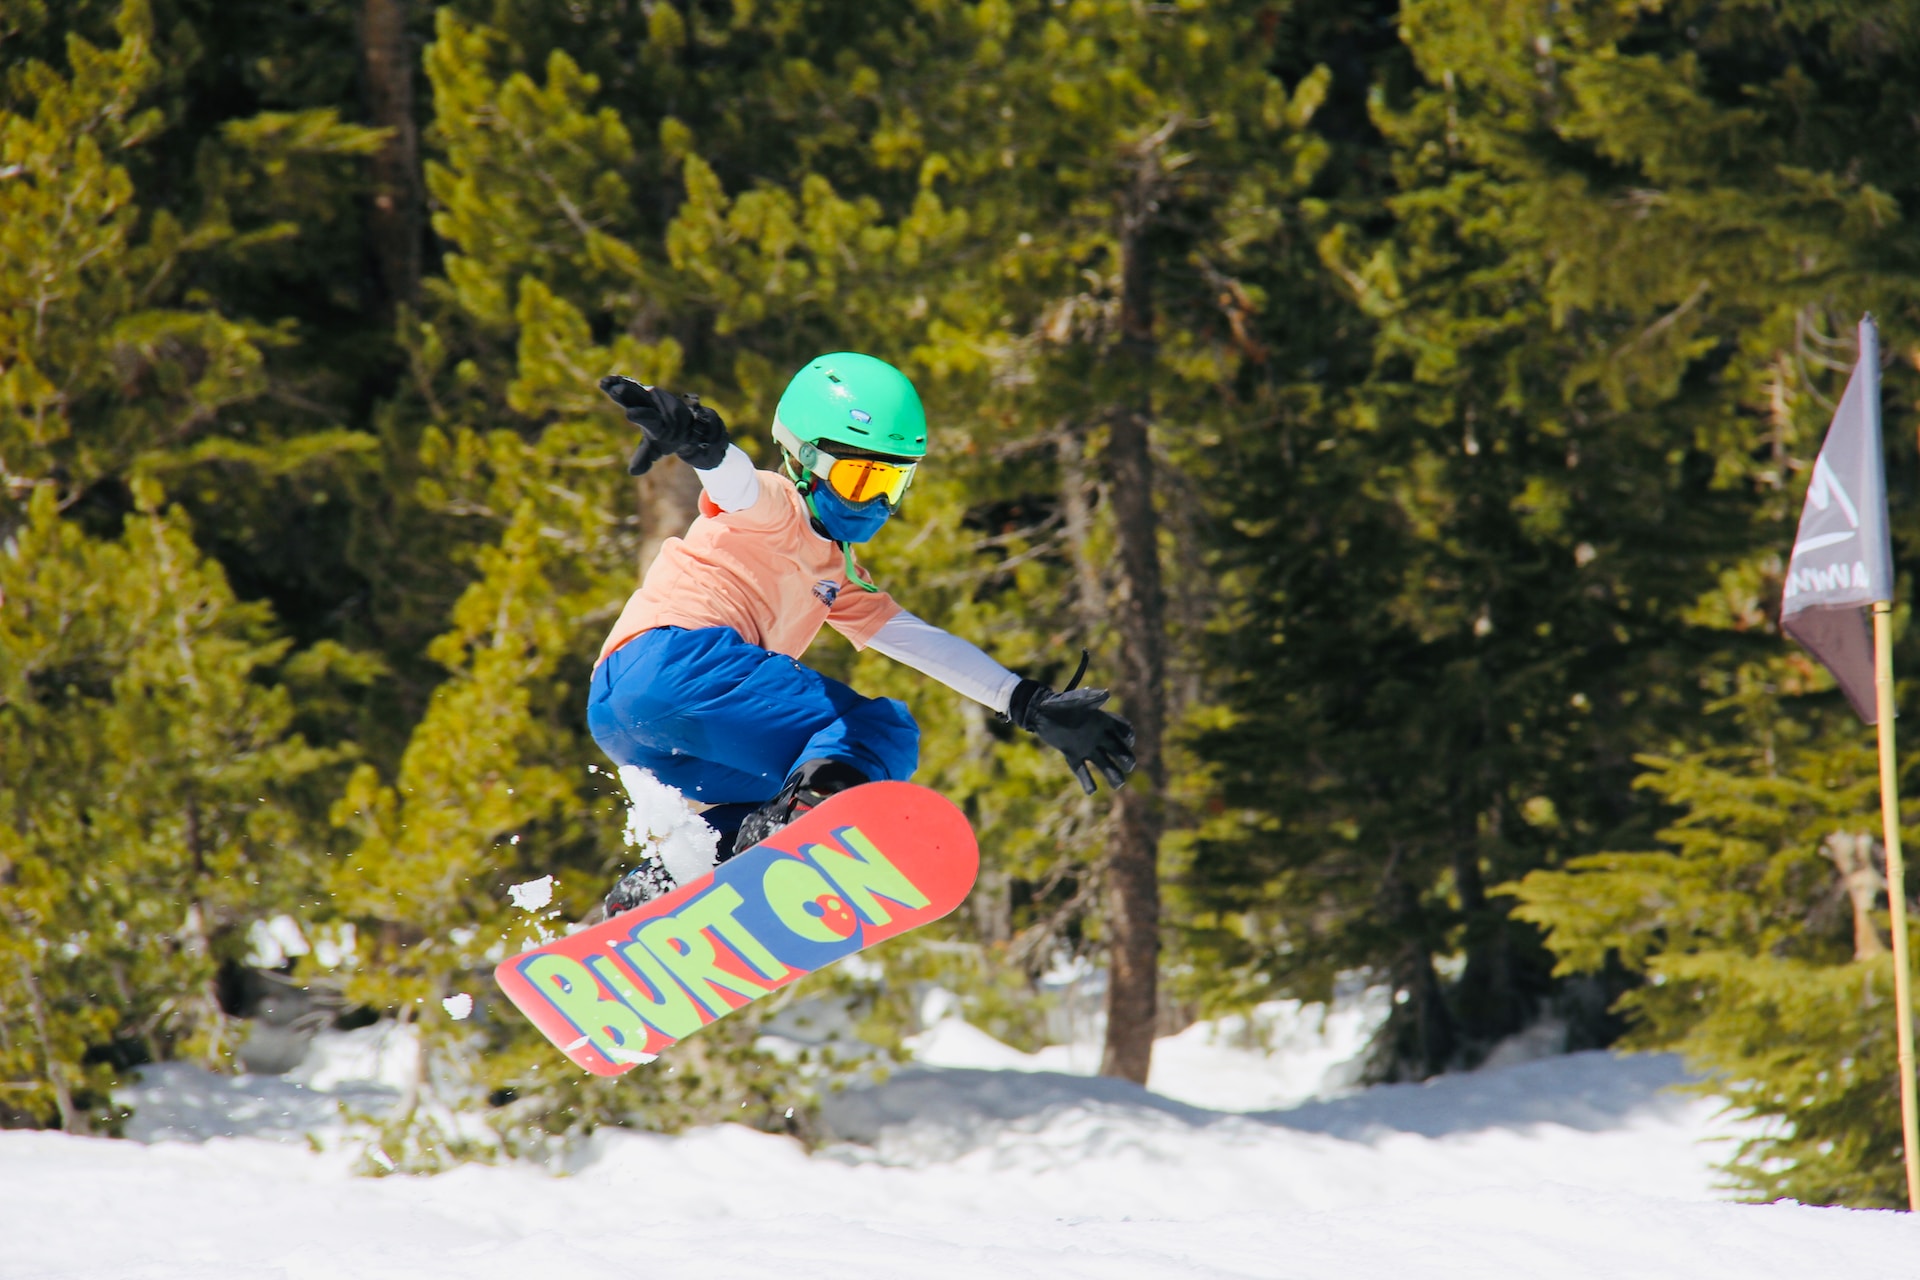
x=855 y=480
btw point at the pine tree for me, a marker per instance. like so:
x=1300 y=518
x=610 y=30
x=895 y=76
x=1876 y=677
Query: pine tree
x=152 y=792
x=157 y=798
x=1529 y=543
x=1106 y=163
x=498 y=783
x=1405 y=403
x=1758 y=241
x=1758 y=964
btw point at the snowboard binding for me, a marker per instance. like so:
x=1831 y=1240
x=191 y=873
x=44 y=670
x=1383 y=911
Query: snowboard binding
x=811 y=783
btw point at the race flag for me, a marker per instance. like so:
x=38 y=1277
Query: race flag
x=1842 y=558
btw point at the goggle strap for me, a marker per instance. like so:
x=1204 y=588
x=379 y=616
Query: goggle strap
x=853 y=570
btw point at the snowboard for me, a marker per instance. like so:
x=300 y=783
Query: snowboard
x=863 y=866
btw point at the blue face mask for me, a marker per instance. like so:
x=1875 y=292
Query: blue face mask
x=846 y=521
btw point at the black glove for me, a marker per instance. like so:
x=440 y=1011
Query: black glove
x=645 y=454
x=676 y=424
x=1073 y=724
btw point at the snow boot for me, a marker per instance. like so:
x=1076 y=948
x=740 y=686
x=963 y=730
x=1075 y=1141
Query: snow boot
x=644 y=883
x=811 y=783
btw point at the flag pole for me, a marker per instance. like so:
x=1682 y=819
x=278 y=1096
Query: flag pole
x=1896 y=892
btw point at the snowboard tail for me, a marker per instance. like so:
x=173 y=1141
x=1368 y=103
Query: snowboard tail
x=863 y=866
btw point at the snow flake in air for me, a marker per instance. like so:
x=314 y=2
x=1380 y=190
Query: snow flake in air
x=533 y=894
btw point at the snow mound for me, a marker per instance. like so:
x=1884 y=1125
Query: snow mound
x=1594 y=1091
x=1069 y=1177
x=345 y=1073
x=180 y=1102
x=1497 y=1124
x=1283 y=1053
x=1575 y=1167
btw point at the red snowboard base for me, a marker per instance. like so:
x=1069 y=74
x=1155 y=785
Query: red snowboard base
x=864 y=866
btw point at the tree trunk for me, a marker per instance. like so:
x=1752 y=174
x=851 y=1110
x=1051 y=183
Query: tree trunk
x=1488 y=1004
x=1497 y=994
x=1420 y=1037
x=668 y=499
x=1133 y=864
x=1089 y=587
x=394 y=221
x=71 y=1120
x=1858 y=858
x=1422 y=1034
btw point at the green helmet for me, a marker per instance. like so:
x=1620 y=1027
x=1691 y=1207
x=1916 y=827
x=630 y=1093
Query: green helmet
x=850 y=399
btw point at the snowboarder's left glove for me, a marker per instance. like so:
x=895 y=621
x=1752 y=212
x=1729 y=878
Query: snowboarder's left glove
x=669 y=423
x=1073 y=724
x=645 y=454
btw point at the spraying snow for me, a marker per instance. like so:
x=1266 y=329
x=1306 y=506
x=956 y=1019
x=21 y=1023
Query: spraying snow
x=531 y=895
x=661 y=824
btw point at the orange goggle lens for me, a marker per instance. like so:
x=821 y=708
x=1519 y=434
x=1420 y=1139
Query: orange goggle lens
x=864 y=479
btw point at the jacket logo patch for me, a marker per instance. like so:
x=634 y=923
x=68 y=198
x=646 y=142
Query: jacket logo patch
x=826 y=591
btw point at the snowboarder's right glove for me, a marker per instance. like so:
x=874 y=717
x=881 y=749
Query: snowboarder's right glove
x=669 y=424
x=1073 y=724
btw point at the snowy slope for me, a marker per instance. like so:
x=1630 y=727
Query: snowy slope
x=1573 y=1166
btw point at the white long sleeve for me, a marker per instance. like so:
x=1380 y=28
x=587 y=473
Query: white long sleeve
x=734 y=485
x=952 y=661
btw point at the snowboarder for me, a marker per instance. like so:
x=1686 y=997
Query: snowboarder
x=700 y=681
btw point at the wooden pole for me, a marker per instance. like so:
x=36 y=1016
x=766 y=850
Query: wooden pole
x=1896 y=892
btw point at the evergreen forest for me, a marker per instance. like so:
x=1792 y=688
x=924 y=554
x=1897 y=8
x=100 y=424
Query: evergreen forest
x=1407 y=405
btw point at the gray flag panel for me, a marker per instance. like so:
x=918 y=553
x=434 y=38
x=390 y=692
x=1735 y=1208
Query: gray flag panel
x=1841 y=637
x=1842 y=558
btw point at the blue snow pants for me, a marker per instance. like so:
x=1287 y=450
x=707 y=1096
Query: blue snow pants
x=725 y=722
